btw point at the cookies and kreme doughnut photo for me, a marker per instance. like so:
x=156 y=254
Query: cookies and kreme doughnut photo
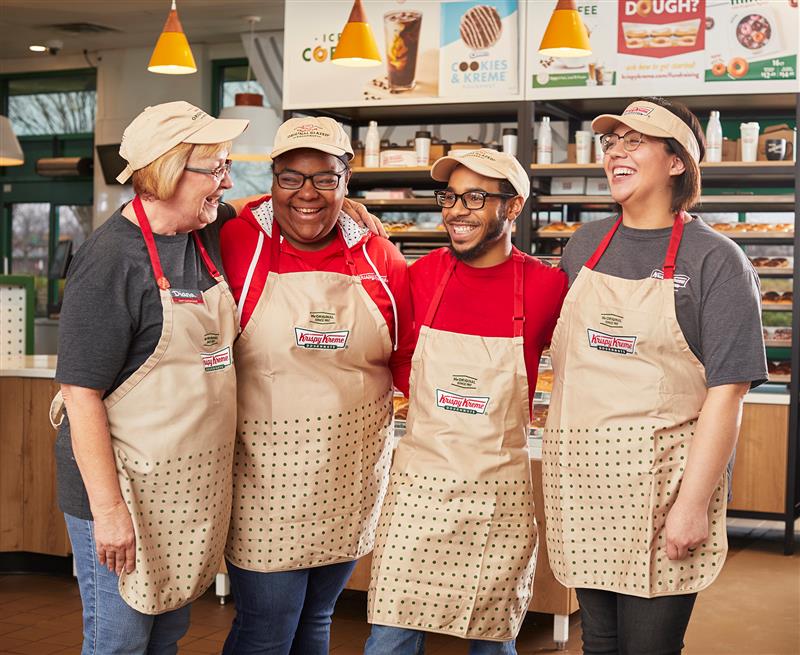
x=481 y=27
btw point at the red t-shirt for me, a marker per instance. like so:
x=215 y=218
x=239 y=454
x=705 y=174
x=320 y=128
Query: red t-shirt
x=239 y=237
x=480 y=301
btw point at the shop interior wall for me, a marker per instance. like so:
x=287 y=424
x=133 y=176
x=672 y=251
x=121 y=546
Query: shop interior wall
x=124 y=88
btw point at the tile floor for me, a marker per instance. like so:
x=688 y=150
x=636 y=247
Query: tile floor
x=752 y=609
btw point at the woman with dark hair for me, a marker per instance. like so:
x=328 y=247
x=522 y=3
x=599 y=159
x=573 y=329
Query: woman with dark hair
x=658 y=342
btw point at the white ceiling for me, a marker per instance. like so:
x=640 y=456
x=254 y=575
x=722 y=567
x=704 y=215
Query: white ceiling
x=25 y=22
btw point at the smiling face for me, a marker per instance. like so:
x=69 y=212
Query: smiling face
x=475 y=232
x=638 y=176
x=197 y=195
x=308 y=215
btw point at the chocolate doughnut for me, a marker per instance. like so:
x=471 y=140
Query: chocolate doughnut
x=481 y=27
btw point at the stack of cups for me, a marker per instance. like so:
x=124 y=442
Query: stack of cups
x=749 y=133
x=583 y=147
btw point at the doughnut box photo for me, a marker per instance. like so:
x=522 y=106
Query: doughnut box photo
x=479 y=48
x=653 y=28
x=751 y=40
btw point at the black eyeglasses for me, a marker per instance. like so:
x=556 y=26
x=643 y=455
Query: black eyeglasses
x=292 y=180
x=218 y=172
x=470 y=199
x=630 y=140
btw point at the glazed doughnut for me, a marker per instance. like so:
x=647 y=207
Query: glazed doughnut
x=722 y=227
x=685 y=41
x=634 y=43
x=718 y=69
x=636 y=34
x=662 y=31
x=644 y=7
x=759 y=261
x=741 y=227
x=770 y=296
x=738 y=67
x=660 y=42
x=319 y=53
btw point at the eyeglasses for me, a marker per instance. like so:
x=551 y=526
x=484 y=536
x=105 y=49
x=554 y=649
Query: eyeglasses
x=292 y=180
x=218 y=172
x=630 y=140
x=470 y=199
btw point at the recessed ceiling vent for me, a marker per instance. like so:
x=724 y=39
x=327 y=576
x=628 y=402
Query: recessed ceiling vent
x=82 y=28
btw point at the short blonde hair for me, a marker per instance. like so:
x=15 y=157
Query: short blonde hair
x=159 y=178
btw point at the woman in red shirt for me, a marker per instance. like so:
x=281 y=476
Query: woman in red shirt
x=325 y=312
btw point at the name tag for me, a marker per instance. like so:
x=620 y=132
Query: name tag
x=191 y=296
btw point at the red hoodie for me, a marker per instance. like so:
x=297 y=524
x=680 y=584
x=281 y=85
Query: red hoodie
x=239 y=238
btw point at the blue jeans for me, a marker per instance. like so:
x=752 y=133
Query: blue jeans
x=284 y=613
x=110 y=626
x=386 y=639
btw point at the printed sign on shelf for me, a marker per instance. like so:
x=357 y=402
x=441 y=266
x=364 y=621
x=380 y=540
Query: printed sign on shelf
x=431 y=51
x=672 y=47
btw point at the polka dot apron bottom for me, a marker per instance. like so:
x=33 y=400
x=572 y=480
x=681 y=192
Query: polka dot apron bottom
x=456 y=545
x=626 y=397
x=314 y=439
x=173 y=424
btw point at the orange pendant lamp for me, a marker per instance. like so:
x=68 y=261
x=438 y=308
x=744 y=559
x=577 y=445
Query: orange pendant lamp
x=172 y=54
x=566 y=35
x=357 y=45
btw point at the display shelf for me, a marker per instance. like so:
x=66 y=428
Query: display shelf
x=774 y=271
x=779 y=379
x=399 y=204
x=732 y=202
x=764 y=170
x=418 y=235
x=413 y=176
x=776 y=306
x=778 y=343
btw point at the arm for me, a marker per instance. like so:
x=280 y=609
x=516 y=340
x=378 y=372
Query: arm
x=714 y=439
x=361 y=215
x=400 y=361
x=114 y=537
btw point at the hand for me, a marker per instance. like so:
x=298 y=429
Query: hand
x=114 y=538
x=360 y=215
x=685 y=528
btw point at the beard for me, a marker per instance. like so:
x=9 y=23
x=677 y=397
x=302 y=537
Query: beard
x=493 y=232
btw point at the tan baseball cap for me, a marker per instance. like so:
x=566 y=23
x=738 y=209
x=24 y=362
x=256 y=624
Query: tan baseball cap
x=653 y=120
x=319 y=133
x=158 y=129
x=485 y=161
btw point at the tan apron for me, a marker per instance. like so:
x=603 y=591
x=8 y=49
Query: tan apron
x=172 y=425
x=314 y=444
x=456 y=546
x=626 y=396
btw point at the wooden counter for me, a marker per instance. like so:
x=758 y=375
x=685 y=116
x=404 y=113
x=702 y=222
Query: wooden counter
x=30 y=520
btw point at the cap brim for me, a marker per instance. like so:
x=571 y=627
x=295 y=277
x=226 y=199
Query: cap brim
x=331 y=150
x=443 y=167
x=125 y=175
x=606 y=123
x=219 y=131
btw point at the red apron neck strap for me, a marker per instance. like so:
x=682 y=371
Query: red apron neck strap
x=210 y=267
x=150 y=242
x=672 y=250
x=275 y=250
x=601 y=249
x=674 y=244
x=437 y=297
x=519 y=293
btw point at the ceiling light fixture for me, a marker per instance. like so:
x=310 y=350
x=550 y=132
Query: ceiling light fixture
x=566 y=35
x=357 y=45
x=10 y=150
x=255 y=143
x=37 y=48
x=172 y=54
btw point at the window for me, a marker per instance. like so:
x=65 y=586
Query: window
x=231 y=77
x=61 y=104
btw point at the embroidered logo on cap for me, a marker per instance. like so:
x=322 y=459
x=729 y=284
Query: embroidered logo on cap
x=218 y=360
x=638 y=111
x=465 y=404
x=611 y=342
x=321 y=340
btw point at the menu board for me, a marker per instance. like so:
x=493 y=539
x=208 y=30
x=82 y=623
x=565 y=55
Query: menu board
x=672 y=47
x=432 y=52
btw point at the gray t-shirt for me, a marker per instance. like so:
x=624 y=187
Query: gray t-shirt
x=111 y=319
x=717 y=292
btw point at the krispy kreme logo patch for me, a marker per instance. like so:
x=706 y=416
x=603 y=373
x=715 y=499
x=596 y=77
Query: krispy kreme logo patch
x=611 y=342
x=218 y=360
x=321 y=340
x=638 y=111
x=455 y=402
